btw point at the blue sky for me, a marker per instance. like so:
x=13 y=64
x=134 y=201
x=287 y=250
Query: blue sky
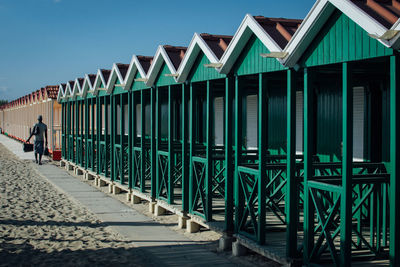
x=48 y=42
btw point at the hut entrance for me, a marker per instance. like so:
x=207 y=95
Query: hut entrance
x=346 y=146
x=119 y=137
x=104 y=137
x=169 y=144
x=207 y=141
x=141 y=159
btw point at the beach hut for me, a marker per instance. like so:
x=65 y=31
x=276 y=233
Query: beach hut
x=209 y=186
x=141 y=136
x=264 y=195
x=64 y=118
x=90 y=134
x=168 y=122
x=347 y=51
x=120 y=116
x=103 y=131
x=79 y=103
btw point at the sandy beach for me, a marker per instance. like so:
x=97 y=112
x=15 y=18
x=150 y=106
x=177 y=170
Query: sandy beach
x=40 y=226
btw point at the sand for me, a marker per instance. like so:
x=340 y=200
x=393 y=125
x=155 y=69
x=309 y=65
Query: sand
x=40 y=226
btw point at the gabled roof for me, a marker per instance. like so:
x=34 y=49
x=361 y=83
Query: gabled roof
x=88 y=84
x=139 y=64
x=213 y=46
x=171 y=55
x=101 y=78
x=78 y=87
x=118 y=72
x=376 y=17
x=274 y=33
x=61 y=92
x=70 y=89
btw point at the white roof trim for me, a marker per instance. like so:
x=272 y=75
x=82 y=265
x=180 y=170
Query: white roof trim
x=61 y=93
x=130 y=75
x=114 y=75
x=317 y=17
x=248 y=27
x=68 y=90
x=77 y=88
x=196 y=45
x=160 y=57
x=87 y=86
x=99 y=79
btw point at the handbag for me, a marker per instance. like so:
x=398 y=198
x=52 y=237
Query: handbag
x=27 y=147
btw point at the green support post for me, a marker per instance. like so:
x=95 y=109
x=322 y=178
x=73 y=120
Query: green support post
x=99 y=121
x=131 y=130
x=121 y=138
x=394 y=230
x=229 y=91
x=68 y=129
x=292 y=194
x=191 y=146
x=347 y=169
x=107 y=104
x=153 y=144
x=112 y=137
x=185 y=150
x=171 y=160
x=83 y=128
x=209 y=167
x=158 y=139
x=262 y=153
x=87 y=132
x=143 y=143
x=92 y=134
x=309 y=125
x=239 y=198
x=76 y=123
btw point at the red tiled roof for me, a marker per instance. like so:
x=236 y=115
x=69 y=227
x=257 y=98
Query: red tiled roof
x=217 y=43
x=280 y=29
x=386 y=12
x=145 y=62
x=52 y=91
x=175 y=53
x=123 y=69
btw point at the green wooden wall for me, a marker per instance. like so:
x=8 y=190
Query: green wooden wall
x=161 y=79
x=118 y=89
x=138 y=85
x=201 y=73
x=342 y=40
x=251 y=62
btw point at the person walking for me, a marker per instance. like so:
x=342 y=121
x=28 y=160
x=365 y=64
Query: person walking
x=39 y=129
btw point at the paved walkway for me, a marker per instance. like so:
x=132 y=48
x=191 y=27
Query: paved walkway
x=168 y=247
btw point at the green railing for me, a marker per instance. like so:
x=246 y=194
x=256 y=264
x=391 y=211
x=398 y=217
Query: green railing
x=370 y=205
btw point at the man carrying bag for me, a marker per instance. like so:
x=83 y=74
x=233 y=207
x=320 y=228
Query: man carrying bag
x=39 y=129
